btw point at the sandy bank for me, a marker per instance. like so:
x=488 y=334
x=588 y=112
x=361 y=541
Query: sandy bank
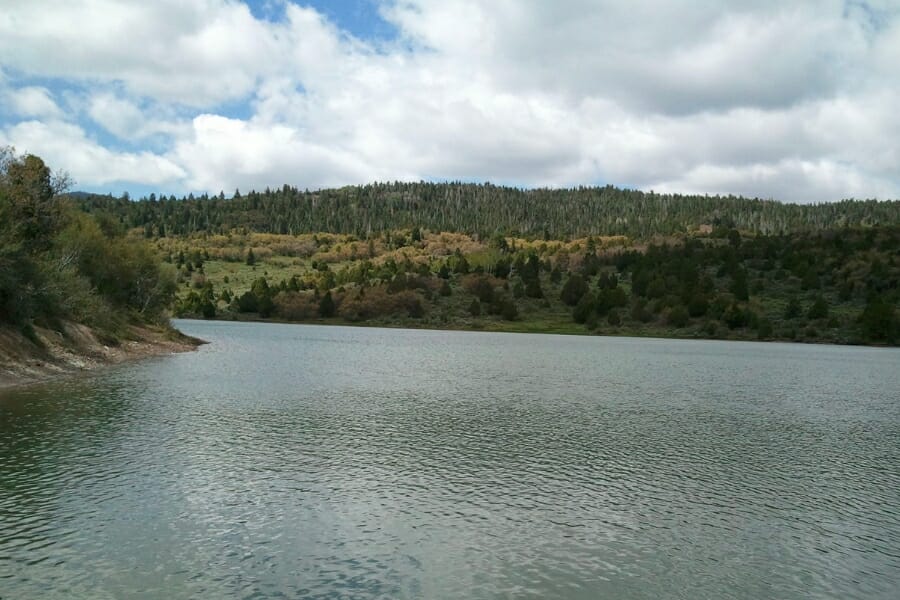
x=76 y=348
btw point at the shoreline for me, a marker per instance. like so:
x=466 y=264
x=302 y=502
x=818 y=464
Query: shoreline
x=77 y=349
x=573 y=331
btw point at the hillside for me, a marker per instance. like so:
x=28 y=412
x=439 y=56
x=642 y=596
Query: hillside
x=484 y=210
x=838 y=286
x=586 y=260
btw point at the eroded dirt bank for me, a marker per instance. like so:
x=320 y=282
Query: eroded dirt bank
x=76 y=348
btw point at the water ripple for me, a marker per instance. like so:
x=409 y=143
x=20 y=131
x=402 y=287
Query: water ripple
x=324 y=462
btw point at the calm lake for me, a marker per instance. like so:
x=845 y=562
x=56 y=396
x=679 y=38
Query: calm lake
x=331 y=462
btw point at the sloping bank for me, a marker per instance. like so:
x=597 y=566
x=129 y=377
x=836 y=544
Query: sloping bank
x=75 y=348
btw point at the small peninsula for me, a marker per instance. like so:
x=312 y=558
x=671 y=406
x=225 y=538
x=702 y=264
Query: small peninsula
x=76 y=291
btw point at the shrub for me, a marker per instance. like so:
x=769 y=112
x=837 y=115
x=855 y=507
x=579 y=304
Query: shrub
x=735 y=317
x=296 y=306
x=377 y=302
x=518 y=289
x=640 y=313
x=533 y=288
x=508 y=310
x=586 y=307
x=481 y=286
x=614 y=318
x=678 y=316
x=698 y=306
x=793 y=309
x=764 y=329
x=819 y=309
x=879 y=321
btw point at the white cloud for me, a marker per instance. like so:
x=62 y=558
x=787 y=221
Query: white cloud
x=65 y=146
x=124 y=119
x=791 y=100
x=31 y=101
x=197 y=53
x=815 y=180
x=228 y=153
x=654 y=55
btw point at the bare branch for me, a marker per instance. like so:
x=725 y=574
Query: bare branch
x=61 y=182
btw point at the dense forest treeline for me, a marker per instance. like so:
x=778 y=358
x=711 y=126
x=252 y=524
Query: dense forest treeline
x=482 y=209
x=59 y=264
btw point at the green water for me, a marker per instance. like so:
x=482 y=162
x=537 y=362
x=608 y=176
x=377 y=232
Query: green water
x=329 y=462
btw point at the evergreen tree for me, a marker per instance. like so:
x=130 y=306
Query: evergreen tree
x=819 y=309
x=879 y=321
x=533 y=288
x=327 y=306
x=739 y=285
x=793 y=309
x=574 y=289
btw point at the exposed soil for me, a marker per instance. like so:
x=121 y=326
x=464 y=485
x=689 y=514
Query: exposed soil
x=76 y=348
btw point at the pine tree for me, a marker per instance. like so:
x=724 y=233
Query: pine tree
x=327 y=307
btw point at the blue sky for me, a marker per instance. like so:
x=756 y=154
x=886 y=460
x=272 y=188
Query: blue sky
x=794 y=101
x=359 y=18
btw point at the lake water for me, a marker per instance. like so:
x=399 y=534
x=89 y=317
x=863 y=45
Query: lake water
x=330 y=462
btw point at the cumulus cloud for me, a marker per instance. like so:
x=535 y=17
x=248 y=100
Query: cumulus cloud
x=126 y=120
x=31 y=102
x=227 y=153
x=678 y=57
x=197 y=53
x=794 y=101
x=66 y=146
x=813 y=180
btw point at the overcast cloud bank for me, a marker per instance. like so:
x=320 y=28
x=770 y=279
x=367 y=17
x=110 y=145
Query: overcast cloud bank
x=796 y=101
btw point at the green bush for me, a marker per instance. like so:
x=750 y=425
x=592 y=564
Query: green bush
x=678 y=316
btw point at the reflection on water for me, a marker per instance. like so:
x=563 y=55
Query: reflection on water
x=330 y=462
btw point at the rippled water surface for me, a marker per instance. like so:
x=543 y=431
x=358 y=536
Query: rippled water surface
x=328 y=462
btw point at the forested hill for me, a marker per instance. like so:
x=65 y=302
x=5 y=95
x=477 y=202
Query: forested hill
x=58 y=264
x=483 y=209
